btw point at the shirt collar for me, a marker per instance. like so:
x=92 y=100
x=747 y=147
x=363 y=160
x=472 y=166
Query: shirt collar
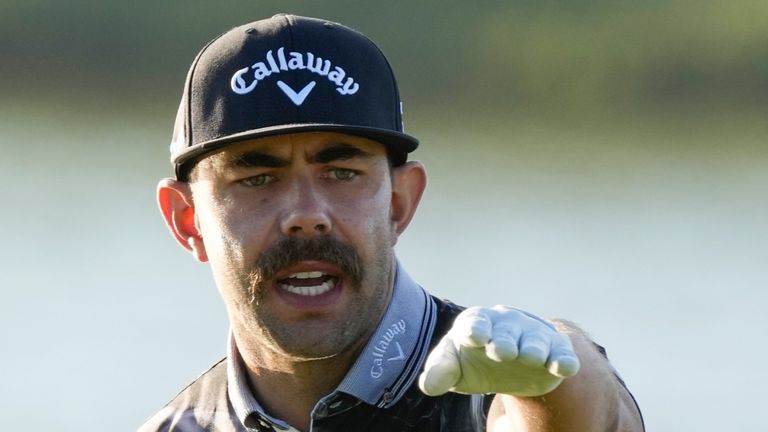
x=239 y=391
x=386 y=367
x=393 y=357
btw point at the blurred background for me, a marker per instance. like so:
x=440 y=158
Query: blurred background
x=604 y=161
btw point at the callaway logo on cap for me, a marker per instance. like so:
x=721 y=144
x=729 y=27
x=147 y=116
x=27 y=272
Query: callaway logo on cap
x=282 y=75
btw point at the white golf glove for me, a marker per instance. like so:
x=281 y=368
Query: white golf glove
x=499 y=350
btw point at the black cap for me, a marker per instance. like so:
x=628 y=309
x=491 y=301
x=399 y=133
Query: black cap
x=287 y=74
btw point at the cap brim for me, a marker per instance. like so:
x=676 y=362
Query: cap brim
x=395 y=142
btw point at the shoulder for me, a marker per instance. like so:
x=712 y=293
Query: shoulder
x=202 y=405
x=446 y=314
x=446 y=310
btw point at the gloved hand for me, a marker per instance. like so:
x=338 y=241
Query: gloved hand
x=499 y=350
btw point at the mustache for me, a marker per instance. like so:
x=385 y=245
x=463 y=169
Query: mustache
x=292 y=250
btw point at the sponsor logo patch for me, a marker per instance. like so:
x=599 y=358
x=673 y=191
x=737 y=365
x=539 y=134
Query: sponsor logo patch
x=246 y=79
x=387 y=349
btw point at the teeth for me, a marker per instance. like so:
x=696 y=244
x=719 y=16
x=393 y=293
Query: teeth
x=309 y=290
x=307 y=275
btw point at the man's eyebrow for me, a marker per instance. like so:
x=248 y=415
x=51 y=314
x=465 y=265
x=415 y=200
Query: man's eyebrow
x=256 y=159
x=339 y=152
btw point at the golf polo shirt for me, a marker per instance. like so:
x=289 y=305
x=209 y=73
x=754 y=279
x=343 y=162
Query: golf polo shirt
x=379 y=393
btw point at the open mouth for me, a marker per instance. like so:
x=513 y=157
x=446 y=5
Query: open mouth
x=310 y=284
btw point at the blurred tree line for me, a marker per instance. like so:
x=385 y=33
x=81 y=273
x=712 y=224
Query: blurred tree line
x=544 y=56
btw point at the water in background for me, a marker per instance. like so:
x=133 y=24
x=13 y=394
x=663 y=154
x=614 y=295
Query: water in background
x=652 y=235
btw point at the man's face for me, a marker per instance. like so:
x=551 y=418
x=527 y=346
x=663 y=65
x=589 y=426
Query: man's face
x=298 y=230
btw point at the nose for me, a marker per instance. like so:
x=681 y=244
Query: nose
x=306 y=212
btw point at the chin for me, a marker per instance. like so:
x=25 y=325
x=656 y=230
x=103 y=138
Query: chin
x=308 y=342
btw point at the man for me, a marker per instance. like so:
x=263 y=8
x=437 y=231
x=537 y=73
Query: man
x=292 y=181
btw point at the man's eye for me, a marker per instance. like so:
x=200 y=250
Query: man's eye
x=342 y=174
x=256 y=181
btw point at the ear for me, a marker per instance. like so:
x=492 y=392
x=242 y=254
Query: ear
x=177 y=207
x=408 y=183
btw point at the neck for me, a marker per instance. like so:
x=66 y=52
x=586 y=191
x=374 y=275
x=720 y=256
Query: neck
x=304 y=381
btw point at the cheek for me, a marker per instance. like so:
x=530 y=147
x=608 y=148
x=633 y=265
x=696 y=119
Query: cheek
x=224 y=228
x=368 y=216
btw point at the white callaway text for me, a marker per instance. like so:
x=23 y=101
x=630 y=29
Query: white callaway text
x=241 y=83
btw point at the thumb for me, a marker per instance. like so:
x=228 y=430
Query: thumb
x=442 y=369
